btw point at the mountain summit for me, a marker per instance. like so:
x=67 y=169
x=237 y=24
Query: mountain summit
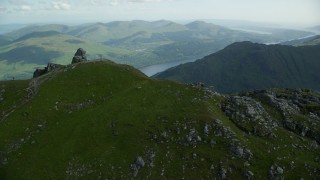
x=99 y=120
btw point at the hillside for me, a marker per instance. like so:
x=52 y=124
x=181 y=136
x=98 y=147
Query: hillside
x=101 y=120
x=245 y=65
x=309 y=41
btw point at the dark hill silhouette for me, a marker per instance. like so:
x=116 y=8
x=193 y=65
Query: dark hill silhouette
x=245 y=65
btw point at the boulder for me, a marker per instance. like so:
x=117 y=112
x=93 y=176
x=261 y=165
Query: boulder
x=137 y=165
x=248 y=175
x=79 y=56
x=223 y=173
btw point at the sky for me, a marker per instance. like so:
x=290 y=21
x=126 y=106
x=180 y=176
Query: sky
x=293 y=12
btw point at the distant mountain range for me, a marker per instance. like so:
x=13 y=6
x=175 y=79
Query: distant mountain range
x=137 y=43
x=248 y=66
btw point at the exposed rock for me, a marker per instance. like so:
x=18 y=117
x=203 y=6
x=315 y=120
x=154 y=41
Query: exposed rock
x=298 y=111
x=246 y=164
x=223 y=173
x=297 y=104
x=275 y=172
x=304 y=131
x=279 y=170
x=314 y=145
x=137 y=165
x=236 y=148
x=79 y=56
x=247 y=153
x=50 y=67
x=193 y=138
x=150 y=158
x=289 y=124
x=206 y=129
x=248 y=175
x=39 y=72
x=249 y=115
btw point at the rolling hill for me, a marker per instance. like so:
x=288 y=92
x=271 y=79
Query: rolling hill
x=137 y=43
x=309 y=41
x=20 y=57
x=247 y=66
x=104 y=120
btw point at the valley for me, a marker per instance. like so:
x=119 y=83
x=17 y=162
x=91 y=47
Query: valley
x=159 y=89
x=137 y=43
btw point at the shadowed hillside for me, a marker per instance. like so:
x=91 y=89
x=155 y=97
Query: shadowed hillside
x=245 y=65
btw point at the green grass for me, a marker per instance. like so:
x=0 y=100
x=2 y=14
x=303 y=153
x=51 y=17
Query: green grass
x=91 y=120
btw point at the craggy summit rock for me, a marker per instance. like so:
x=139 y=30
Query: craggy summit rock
x=79 y=56
x=50 y=67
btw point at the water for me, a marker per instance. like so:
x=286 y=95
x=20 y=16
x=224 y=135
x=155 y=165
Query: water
x=154 y=69
x=301 y=38
x=252 y=31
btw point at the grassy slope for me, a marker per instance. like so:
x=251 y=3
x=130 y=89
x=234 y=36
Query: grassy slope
x=92 y=120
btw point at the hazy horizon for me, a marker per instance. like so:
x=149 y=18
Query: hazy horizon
x=284 y=13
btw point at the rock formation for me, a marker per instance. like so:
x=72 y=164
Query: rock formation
x=79 y=56
x=50 y=67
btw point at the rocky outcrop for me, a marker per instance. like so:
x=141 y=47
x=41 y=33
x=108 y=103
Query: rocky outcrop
x=137 y=165
x=259 y=112
x=249 y=115
x=79 y=56
x=275 y=172
x=50 y=67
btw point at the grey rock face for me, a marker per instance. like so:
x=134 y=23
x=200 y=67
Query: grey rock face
x=248 y=175
x=206 y=129
x=298 y=110
x=275 y=172
x=249 y=115
x=236 y=148
x=193 y=138
x=137 y=165
x=247 y=153
x=223 y=173
x=279 y=170
x=79 y=56
x=150 y=158
x=50 y=67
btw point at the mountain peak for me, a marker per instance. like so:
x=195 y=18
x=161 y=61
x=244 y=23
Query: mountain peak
x=197 y=25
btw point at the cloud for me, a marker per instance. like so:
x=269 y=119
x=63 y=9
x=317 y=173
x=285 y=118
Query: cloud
x=105 y=2
x=118 y=2
x=25 y=8
x=59 y=5
x=18 y=2
x=2 y=9
x=146 y=1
